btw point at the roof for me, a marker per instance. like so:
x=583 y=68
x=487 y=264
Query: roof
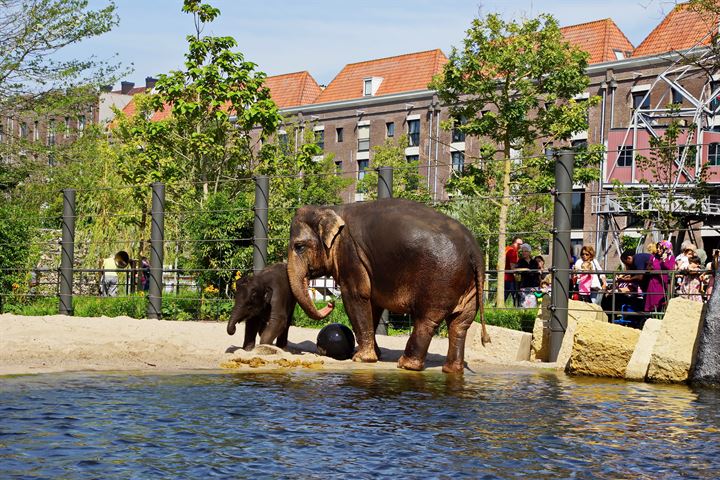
x=601 y=39
x=681 y=29
x=401 y=73
x=293 y=89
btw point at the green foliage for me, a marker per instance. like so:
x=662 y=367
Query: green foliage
x=513 y=83
x=15 y=240
x=406 y=176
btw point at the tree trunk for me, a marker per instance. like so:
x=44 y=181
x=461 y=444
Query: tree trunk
x=502 y=226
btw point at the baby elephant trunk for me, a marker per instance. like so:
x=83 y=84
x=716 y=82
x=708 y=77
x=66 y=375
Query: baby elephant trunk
x=234 y=319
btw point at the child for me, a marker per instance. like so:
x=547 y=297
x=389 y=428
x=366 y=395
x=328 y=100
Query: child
x=691 y=288
x=584 y=281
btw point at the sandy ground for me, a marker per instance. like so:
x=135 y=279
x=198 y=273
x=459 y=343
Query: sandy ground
x=59 y=343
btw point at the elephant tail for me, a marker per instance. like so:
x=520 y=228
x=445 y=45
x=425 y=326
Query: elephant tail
x=479 y=270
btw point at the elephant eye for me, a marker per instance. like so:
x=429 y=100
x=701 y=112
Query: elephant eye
x=299 y=248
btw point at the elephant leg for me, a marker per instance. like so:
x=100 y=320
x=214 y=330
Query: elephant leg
x=275 y=329
x=417 y=346
x=359 y=311
x=251 y=330
x=282 y=339
x=376 y=314
x=458 y=325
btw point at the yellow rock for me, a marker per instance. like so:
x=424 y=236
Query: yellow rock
x=602 y=349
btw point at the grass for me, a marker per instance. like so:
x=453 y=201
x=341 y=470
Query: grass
x=187 y=306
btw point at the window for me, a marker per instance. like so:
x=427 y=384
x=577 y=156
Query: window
x=641 y=100
x=2 y=132
x=36 y=133
x=625 y=156
x=579 y=144
x=339 y=135
x=619 y=55
x=367 y=87
x=338 y=167
x=412 y=158
x=362 y=166
x=66 y=133
x=714 y=154
x=283 y=139
x=457 y=135
x=390 y=129
x=677 y=97
x=81 y=124
x=714 y=87
x=363 y=138
x=23 y=130
x=320 y=139
x=414 y=133
x=577 y=214
x=458 y=162
x=51 y=133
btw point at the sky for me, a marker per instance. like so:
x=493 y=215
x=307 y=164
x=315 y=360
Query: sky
x=322 y=36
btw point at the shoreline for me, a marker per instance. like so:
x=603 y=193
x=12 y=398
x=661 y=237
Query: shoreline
x=57 y=343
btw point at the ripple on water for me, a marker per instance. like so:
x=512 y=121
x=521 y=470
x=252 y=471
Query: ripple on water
x=360 y=424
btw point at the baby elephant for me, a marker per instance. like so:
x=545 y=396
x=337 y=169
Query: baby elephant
x=266 y=303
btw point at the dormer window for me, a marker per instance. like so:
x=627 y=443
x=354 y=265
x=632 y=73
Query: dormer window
x=367 y=87
x=371 y=85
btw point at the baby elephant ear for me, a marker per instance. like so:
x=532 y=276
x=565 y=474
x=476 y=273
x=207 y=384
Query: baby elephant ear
x=329 y=226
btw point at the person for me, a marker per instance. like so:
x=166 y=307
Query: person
x=662 y=261
x=109 y=279
x=144 y=274
x=626 y=294
x=529 y=277
x=687 y=251
x=511 y=259
x=692 y=286
x=597 y=281
x=637 y=262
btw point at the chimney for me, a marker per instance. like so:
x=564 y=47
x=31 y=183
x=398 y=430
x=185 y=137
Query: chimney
x=125 y=87
x=150 y=83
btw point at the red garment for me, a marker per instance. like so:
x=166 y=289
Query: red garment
x=511 y=258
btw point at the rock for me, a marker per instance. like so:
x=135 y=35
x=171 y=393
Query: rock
x=602 y=349
x=506 y=346
x=638 y=366
x=577 y=312
x=675 y=346
x=706 y=369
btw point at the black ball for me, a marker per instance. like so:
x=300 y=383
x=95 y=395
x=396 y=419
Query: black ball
x=336 y=341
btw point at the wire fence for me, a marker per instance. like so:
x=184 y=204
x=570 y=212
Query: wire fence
x=188 y=267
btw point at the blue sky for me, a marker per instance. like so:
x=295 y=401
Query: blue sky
x=321 y=36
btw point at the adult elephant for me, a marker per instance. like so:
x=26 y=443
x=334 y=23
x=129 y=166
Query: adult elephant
x=397 y=255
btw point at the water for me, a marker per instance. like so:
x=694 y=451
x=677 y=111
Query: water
x=357 y=424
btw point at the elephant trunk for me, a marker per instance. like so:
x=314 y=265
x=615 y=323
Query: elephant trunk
x=234 y=319
x=298 y=277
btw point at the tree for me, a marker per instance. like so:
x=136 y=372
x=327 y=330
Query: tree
x=513 y=84
x=32 y=32
x=406 y=176
x=217 y=103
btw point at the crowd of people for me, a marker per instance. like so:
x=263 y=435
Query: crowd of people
x=643 y=288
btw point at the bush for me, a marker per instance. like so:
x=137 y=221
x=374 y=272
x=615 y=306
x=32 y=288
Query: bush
x=14 y=251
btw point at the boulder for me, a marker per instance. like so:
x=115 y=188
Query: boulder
x=675 y=346
x=706 y=369
x=601 y=349
x=506 y=346
x=577 y=312
x=638 y=366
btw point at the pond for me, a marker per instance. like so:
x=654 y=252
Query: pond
x=355 y=424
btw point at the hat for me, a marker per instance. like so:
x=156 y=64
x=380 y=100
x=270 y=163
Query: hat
x=665 y=244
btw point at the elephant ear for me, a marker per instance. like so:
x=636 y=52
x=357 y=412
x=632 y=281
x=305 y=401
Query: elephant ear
x=329 y=226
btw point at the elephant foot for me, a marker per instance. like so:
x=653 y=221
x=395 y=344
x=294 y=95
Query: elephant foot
x=408 y=363
x=249 y=347
x=454 y=367
x=365 y=356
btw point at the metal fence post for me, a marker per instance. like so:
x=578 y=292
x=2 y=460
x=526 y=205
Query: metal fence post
x=260 y=226
x=385 y=189
x=157 y=250
x=561 y=250
x=67 y=252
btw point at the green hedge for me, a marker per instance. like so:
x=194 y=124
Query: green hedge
x=187 y=306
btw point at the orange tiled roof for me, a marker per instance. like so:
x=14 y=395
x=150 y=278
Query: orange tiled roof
x=600 y=39
x=293 y=89
x=681 y=29
x=402 y=73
